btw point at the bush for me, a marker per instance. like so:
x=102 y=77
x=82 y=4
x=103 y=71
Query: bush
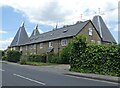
x=23 y=59
x=78 y=46
x=4 y=57
x=54 y=58
x=13 y=56
x=93 y=58
x=37 y=58
x=65 y=54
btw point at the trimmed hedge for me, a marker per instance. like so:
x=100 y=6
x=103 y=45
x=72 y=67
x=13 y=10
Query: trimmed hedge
x=54 y=58
x=37 y=58
x=93 y=58
x=65 y=54
x=13 y=56
x=23 y=59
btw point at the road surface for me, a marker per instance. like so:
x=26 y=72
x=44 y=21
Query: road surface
x=16 y=75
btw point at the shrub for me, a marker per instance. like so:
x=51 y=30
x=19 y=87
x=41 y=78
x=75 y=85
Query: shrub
x=37 y=58
x=78 y=46
x=23 y=59
x=65 y=54
x=54 y=58
x=4 y=57
x=93 y=58
x=13 y=56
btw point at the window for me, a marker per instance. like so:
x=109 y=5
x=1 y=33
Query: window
x=50 y=44
x=41 y=45
x=93 y=41
x=31 y=47
x=20 y=48
x=14 y=48
x=34 y=46
x=90 y=31
x=11 y=48
x=26 y=48
x=99 y=42
x=63 y=42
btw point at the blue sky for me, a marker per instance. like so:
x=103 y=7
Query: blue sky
x=48 y=13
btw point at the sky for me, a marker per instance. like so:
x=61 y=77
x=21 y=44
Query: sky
x=49 y=13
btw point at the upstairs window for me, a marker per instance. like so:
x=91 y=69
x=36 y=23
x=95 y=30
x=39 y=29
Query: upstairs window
x=63 y=42
x=50 y=44
x=90 y=31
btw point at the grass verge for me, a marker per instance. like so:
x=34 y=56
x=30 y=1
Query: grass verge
x=38 y=63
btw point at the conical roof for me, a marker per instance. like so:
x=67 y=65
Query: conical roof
x=35 y=32
x=102 y=29
x=21 y=37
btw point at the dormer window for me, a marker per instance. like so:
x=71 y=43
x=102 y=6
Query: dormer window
x=65 y=30
x=90 y=31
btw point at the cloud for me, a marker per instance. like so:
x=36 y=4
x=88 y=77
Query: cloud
x=3 y=32
x=4 y=43
x=62 y=11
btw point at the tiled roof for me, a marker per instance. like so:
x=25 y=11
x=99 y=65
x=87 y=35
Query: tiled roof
x=102 y=29
x=20 y=38
x=66 y=31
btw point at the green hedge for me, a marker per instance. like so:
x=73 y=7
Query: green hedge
x=65 y=54
x=13 y=56
x=54 y=58
x=37 y=58
x=93 y=58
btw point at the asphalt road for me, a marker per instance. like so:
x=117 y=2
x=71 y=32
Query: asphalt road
x=16 y=75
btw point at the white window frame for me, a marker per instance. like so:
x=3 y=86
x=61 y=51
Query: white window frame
x=20 y=48
x=93 y=41
x=26 y=48
x=31 y=47
x=99 y=42
x=34 y=46
x=14 y=48
x=41 y=45
x=11 y=48
x=90 y=31
x=64 y=42
x=50 y=44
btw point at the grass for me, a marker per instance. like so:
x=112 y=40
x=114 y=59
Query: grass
x=38 y=63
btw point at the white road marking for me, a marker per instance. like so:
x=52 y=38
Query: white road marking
x=92 y=79
x=30 y=79
x=2 y=70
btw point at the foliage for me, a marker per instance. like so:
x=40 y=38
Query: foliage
x=93 y=58
x=4 y=57
x=78 y=46
x=64 y=55
x=23 y=59
x=13 y=56
x=37 y=58
x=54 y=58
x=38 y=63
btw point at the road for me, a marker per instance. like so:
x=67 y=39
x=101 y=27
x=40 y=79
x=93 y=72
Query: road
x=16 y=75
